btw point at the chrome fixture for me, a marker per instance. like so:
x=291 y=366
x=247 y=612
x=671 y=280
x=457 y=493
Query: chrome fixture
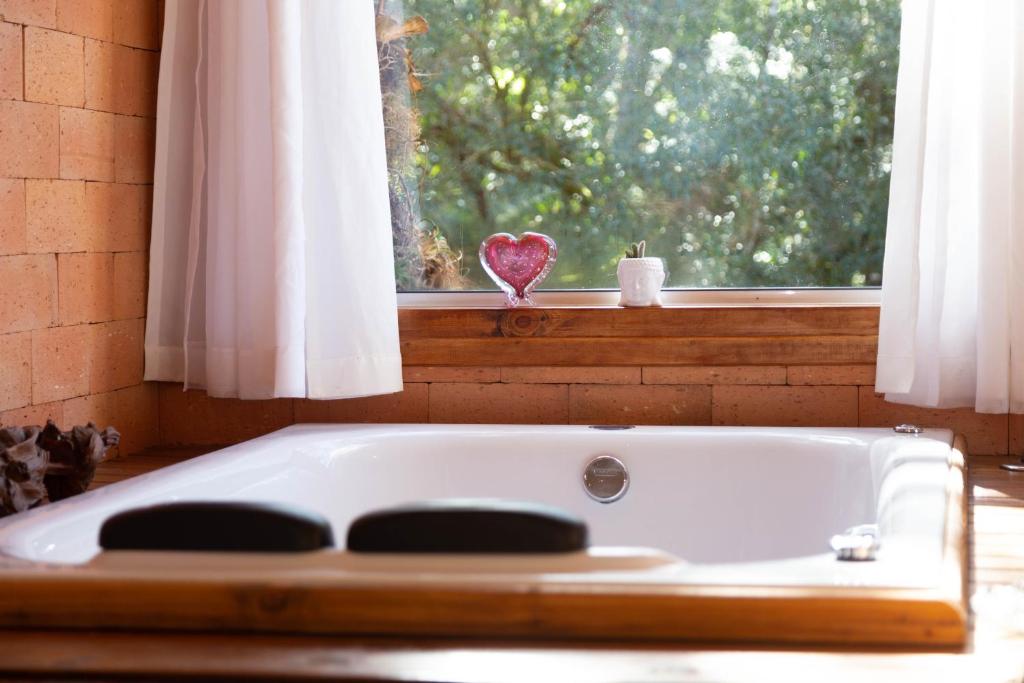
x=907 y=429
x=1013 y=466
x=856 y=544
x=605 y=479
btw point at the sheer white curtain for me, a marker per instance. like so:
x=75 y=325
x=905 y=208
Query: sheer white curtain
x=952 y=321
x=271 y=266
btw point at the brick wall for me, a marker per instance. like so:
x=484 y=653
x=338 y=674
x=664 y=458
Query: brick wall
x=78 y=85
x=748 y=395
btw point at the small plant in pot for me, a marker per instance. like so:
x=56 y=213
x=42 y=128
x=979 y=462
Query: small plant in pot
x=640 y=277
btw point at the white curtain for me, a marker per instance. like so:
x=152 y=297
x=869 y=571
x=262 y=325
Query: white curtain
x=271 y=266
x=952 y=320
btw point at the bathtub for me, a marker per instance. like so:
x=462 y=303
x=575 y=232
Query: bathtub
x=723 y=534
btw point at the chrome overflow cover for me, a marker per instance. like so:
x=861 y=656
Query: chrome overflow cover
x=856 y=544
x=907 y=429
x=605 y=479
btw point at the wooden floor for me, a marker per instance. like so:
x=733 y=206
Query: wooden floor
x=123 y=468
x=996 y=654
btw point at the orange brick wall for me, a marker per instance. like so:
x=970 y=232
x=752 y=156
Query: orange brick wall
x=77 y=104
x=777 y=395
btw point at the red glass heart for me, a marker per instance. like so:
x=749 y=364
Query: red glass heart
x=518 y=265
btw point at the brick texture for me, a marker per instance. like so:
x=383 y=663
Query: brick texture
x=130 y=274
x=12 y=216
x=11 y=70
x=78 y=85
x=639 y=405
x=193 y=418
x=416 y=373
x=834 y=375
x=499 y=403
x=134 y=148
x=137 y=23
x=116 y=355
x=408 y=405
x=60 y=363
x=133 y=411
x=571 y=375
x=784 y=406
x=1016 y=436
x=86 y=144
x=117 y=217
x=816 y=396
x=101 y=81
x=29 y=138
x=54 y=67
x=120 y=79
x=55 y=216
x=726 y=374
x=36 y=414
x=89 y=18
x=86 y=288
x=28 y=297
x=31 y=12
x=16 y=370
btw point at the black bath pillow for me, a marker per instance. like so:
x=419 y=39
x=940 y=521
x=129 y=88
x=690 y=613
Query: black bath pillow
x=468 y=526
x=217 y=526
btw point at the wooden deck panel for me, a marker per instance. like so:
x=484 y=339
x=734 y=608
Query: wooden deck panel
x=996 y=543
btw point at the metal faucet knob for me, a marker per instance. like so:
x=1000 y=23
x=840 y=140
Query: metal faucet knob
x=856 y=544
x=907 y=429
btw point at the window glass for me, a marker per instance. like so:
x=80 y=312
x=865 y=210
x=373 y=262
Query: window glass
x=747 y=141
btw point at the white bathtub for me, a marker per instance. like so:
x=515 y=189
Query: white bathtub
x=715 y=518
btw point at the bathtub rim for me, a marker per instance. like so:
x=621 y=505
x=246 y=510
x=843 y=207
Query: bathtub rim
x=365 y=434
x=935 y=617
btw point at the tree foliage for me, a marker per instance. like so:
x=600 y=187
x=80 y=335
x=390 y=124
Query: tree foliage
x=747 y=141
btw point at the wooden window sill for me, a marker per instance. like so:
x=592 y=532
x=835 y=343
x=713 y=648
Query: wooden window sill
x=671 y=335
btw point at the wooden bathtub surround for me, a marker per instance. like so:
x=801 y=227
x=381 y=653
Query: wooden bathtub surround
x=312 y=602
x=795 y=617
x=995 y=504
x=956 y=580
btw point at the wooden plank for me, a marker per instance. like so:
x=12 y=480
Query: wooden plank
x=997 y=520
x=431 y=323
x=804 y=350
x=118 y=469
x=956 y=558
x=780 y=615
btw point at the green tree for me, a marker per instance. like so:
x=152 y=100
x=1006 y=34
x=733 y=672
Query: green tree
x=748 y=141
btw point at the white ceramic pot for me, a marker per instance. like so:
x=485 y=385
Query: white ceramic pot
x=640 y=280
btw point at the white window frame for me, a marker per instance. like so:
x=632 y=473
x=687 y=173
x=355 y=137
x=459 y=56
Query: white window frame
x=822 y=297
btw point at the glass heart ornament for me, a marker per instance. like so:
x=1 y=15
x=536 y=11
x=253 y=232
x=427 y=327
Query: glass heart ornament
x=518 y=265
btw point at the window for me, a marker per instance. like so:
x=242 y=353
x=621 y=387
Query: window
x=747 y=141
